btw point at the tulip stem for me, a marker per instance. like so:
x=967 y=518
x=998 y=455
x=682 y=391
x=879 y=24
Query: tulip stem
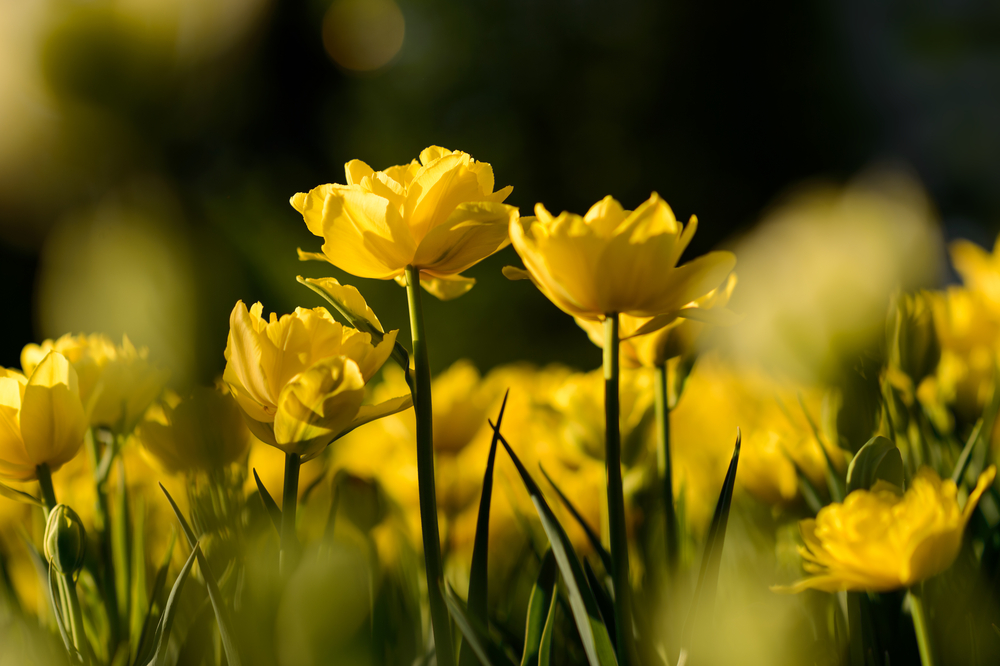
x=48 y=492
x=920 y=625
x=616 y=496
x=666 y=468
x=289 y=506
x=440 y=622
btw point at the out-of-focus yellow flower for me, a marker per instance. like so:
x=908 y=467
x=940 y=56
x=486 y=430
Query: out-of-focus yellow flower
x=41 y=418
x=777 y=435
x=117 y=383
x=201 y=433
x=439 y=215
x=616 y=261
x=300 y=379
x=979 y=269
x=878 y=540
x=677 y=338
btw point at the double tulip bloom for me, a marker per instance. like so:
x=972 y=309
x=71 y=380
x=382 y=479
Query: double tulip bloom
x=616 y=261
x=41 y=418
x=300 y=380
x=879 y=540
x=439 y=215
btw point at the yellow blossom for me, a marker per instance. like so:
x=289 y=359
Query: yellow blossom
x=879 y=540
x=200 y=433
x=439 y=215
x=41 y=418
x=616 y=261
x=117 y=383
x=300 y=380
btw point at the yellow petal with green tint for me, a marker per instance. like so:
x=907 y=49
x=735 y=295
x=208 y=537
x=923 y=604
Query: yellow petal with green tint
x=318 y=405
x=447 y=288
x=347 y=299
x=368 y=413
x=473 y=231
x=52 y=417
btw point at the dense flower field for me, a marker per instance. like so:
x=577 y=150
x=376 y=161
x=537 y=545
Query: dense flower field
x=328 y=501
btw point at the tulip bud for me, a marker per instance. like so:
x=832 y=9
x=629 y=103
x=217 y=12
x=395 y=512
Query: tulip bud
x=912 y=342
x=65 y=540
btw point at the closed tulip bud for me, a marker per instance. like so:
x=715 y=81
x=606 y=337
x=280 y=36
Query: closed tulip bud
x=65 y=540
x=912 y=342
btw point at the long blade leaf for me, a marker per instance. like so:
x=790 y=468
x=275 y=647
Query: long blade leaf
x=218 y=603
x=708 y=578
x=592 y=537
x=476 y=634
x=593 y=633
x=539 y=610
x=145 y=646
x=604 y=601
x=170 y=610
x=272 y=507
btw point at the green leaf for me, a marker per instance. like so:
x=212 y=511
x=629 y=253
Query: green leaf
x=708 y=578
x=809 y=492
x=139 y=600
x=965 y=458
x=19 y=496
x=144 y=646
x=539 y=610
x=478 y=573
x=592 y=537
x=545 y=647
x=272 y=507
x=604 y=601
x=218 y=603
x=475 y=632
x=833 y=481
x=878 y=459
x=162 y=635
x=57 y=611
x=593 y=633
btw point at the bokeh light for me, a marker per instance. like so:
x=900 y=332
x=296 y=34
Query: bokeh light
x=363 y=35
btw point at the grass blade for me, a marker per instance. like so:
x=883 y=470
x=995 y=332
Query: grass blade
x=170 y=610
x=19 y=496
x=539 y=609
x=272 y=507
x=218 y=603
x=58 y=613
x=965 y=458
x=593 y=633
x=478 y=574
x=877 y=459
x=708 y=578
x=144 y=646
x=604 y=601
x=476 y=634
x=545 y=648
x=592 y=537
x=138 y=593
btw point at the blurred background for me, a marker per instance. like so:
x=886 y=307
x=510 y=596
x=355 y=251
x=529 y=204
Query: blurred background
x=148 y=149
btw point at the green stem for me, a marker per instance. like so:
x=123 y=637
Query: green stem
x=289 y=506
x=666 y=468
x=616 y=496
x=110 y=594
x=422 y=407
x=48 y=492
x=920 y=626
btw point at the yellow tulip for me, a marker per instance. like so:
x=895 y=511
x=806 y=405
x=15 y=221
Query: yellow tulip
x=41 y=418
x=300 y=380
x=678 y=338
x=201 y=433
x=117 y=383
x=616 y=261
x=980 y=270
x=878 y=540
x=439 y=215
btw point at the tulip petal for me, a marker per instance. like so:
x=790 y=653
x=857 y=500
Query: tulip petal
x=310 y=205
x=473 y=231
x=436 y=190
x=368 y=413
x=447 y=288
x=690 y=282
x=365 y=235
x=355 y=171
x=318 y=405
x=312 y=256
x=348 y=299
x=52 y=417
x=714 y=316
x=245 y=362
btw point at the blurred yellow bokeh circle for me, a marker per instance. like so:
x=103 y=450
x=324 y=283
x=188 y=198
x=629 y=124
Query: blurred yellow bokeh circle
x=363 y=35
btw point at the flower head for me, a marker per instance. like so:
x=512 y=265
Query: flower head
x=202 y=432
x=616 y=261
x=879 y=540
x=439 y=215
x=300 y=380
x=117 y=382
x=41 y=418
